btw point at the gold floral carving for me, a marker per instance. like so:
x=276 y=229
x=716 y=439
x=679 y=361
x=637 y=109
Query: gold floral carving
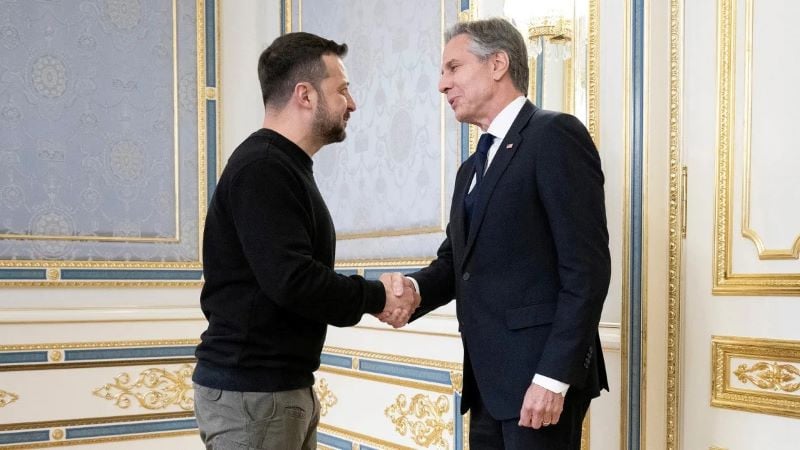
x=7 y=398
x=770 y=376
x=326 y=397
x=423 y=418
x=57 y=434
x=153 y=389
x=457 y=380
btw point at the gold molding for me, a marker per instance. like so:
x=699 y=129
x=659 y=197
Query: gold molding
x=764 y=398
x=26 y=367
x=626 y=228
x=386 y=379
x=155 y=388
x=423 y=418
x=327 y=399
x=390 y=233
x=98 y=344
x=593 y=68
x=763 y=252
x=586 y=432
x=677 y=217
x=725 y=282
x=423 y=333
x=531 y=79
x=363 y=438
x=94 y=421
x=437 y=364
x=7 y=398
x=378 y=263
x=112 y=439
x=568 y=90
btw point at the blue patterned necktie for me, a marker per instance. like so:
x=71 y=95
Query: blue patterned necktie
x=481 y=154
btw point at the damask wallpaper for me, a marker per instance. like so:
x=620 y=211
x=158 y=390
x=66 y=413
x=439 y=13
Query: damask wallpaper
x=100 y=151
x=393 y=174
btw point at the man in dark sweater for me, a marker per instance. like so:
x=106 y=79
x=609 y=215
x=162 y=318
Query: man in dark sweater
x=268 y=253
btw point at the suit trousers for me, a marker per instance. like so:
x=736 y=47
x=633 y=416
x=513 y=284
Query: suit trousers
x=487 y=433
x=231 y=420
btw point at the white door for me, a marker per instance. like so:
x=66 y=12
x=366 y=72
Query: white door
x=740 y=344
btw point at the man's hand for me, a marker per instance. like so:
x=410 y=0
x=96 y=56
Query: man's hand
x=540 y=407
x=401 y=299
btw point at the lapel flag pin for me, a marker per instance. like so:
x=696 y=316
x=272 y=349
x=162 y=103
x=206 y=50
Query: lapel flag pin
x=509 y=145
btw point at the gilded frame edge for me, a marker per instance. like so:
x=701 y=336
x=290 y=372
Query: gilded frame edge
x=205 y=93
x=676 y=216
x=723 y=348
x=725 y=282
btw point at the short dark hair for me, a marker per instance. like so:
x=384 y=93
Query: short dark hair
x=291 y=59
x=494 y=35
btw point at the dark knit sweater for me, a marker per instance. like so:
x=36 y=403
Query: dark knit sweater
x=270 y=288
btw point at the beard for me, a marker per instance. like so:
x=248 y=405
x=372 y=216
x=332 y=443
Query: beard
x=328 y=128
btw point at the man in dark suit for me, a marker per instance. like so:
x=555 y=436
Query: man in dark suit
x=526 y=254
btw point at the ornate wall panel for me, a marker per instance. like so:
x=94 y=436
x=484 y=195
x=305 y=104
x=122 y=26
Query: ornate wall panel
x=134 y=390
x=109 y=140
x=396 y=149
x=143 y=390
x=757 y=229
x=756 y=375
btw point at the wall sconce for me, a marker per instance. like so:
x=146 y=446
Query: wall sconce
x=553 y=30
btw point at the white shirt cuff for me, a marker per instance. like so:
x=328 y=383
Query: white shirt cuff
x=414 y=282
x=550 y=384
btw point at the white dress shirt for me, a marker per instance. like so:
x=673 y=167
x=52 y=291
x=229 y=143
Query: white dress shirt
x=499 y=128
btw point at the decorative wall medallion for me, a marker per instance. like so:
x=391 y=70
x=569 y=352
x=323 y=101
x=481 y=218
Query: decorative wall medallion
x=55 y=356
x=423 y=419
x=457 y=380
x=7 y=398
x=153 y=389
x=326 y=397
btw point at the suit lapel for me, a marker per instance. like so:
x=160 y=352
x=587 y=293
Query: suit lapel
x=504 y=155
x=463 y=180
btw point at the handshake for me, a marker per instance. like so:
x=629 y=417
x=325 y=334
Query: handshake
x=401 y=299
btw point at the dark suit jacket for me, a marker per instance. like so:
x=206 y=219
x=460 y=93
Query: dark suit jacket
x=530 y=278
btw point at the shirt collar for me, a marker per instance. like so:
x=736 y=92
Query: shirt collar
x=502 y=123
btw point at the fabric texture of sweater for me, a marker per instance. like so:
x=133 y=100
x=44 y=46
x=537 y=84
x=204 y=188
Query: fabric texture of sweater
x=270 y=289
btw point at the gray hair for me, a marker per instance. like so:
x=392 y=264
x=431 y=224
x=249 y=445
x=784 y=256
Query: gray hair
x=494 y=35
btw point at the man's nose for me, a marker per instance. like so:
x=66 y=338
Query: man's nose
x=444 y=84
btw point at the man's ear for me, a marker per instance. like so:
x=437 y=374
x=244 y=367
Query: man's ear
x=305 y=95
x=499 y=62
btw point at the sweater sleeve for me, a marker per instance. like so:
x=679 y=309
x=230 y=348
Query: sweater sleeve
x=273 y=217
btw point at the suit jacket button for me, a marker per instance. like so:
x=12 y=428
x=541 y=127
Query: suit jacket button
x=465 y=277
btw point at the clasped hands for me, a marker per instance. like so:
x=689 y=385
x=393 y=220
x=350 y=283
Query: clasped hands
x=401 y=299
